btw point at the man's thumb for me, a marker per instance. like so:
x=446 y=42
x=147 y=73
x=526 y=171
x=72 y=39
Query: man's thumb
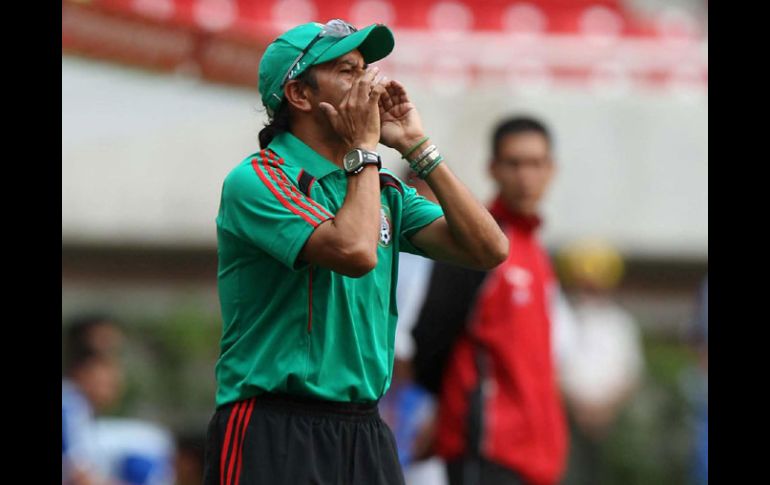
x=329 y=110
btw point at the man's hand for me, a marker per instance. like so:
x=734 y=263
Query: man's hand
x=401 y=124
x=357 y=119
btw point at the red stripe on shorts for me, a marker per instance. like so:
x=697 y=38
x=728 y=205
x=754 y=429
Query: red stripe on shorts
x=234 y=449
x=223 y=458
x=243 y=437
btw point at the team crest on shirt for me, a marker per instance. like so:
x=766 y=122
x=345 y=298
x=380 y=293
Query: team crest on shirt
x=520 y=280
x=386 y=230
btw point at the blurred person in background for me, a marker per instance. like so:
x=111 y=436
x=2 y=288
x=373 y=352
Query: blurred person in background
x=604 y=364
x=92 y=383
x=96 y=331
x=484 y=339
x=101 y=450
x=407 y=407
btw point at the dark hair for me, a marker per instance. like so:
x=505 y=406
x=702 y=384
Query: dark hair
x=79 y=357
x=516 y=125
x=281 y=120
x=78 y=327
x=77 y=347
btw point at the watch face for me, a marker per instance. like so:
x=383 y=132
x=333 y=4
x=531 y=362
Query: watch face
x=352 y=160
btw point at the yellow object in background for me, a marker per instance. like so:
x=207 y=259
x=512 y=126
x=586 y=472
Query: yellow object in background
x=591 y=262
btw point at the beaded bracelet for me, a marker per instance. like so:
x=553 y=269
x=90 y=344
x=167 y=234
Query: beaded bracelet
x=426 y=160
x=422 y=155
x=414 y=148
x=425 y=172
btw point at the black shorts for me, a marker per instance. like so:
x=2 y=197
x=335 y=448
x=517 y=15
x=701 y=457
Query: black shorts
x=277 y=439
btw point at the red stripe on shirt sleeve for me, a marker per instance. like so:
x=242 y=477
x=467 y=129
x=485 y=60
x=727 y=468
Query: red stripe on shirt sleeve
x=287 y=191
x=277 y=194
x=326 y=213
x=315 y=204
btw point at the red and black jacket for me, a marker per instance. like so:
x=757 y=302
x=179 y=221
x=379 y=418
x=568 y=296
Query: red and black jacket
x=483 y=344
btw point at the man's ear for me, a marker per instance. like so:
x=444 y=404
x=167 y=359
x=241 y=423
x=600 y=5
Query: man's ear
x=491 y=165
x=296 y=94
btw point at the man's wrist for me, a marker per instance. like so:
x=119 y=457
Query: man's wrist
x=368 y=146
x=408 y=144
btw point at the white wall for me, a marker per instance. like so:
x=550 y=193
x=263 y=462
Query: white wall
x=144 y=155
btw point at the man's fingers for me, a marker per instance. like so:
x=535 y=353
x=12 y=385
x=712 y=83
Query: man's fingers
x=377 y=91
x=370 y=74
x=386 y=103
x=330 y=112
x=380 y=79
x=398 y=86
x=355 y=94
x=394 y=93
x=398 y=92
x=354 y=90
x=365 y=83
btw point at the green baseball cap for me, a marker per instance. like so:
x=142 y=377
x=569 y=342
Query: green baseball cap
x=313 y=43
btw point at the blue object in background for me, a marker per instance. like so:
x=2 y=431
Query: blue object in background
x=137 y=469
x=406 y=408
x=135 y=452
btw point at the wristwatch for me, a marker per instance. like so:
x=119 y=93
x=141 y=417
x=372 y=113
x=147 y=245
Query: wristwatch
x=355 y=160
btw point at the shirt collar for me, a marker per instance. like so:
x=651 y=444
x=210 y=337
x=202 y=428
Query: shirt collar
x=527 y=223
x=295 y=152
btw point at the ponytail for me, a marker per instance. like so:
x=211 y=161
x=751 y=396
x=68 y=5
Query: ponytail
x=281 y=122
x=277 y=124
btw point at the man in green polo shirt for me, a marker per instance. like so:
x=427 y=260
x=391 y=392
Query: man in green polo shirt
x=309 y=232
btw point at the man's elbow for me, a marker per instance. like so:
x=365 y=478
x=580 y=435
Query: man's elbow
x=495 y=255
x=358 y=262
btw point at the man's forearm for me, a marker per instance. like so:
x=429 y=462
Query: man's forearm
x=347 y=243
x=467 y=235
x=358 y=220
x=472 y=226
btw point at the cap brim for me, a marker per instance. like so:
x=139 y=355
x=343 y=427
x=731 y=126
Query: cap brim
x=374 y=43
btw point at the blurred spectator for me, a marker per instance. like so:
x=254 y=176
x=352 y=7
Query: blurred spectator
x=95 y=331
x=104 y=451
x=603 y=365
x=484 y=340
x=407 y=407
x=92 y=382
x=700 y=341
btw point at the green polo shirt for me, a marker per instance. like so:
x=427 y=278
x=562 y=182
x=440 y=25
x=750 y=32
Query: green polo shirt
x=292 y=327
